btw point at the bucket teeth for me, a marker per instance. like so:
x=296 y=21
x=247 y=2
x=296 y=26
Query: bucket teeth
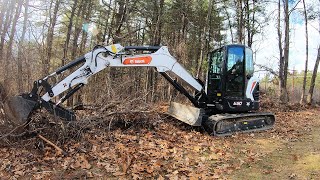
x=17 y=109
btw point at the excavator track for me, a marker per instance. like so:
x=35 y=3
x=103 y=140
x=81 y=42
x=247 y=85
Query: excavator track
x=228 y=124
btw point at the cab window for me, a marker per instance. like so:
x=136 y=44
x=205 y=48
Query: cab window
x=249 y=63
x=216 y=62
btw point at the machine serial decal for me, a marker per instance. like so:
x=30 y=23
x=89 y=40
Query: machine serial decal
x=138 y=60
x=237 y=103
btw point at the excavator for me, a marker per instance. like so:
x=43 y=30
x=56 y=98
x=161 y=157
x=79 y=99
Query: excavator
x=225 y=104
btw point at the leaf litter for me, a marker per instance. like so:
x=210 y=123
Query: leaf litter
x=120 y=143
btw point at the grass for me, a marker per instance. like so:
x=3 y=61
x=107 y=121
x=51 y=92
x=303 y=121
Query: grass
x=285 y=160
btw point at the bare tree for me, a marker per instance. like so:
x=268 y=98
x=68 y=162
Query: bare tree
x=313 y=78
x=302 y=100
x=66 y=43
x=240 y=20
x=2 y=13
x=11 y=40
x=283 y=51
x=285 y=61
x=8 y=11
x=20 y=49
x=52 y=24
x=315 y=70
x=203 y=40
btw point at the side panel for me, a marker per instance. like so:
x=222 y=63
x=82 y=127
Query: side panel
x=251 y=86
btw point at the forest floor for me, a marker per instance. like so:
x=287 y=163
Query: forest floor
x=149 y=144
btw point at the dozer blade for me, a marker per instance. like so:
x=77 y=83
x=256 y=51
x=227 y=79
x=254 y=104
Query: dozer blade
x=17 y=109
x=188 y=114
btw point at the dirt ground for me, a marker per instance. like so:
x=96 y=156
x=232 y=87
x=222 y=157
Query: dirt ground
x=149 y=144
x=292 y=156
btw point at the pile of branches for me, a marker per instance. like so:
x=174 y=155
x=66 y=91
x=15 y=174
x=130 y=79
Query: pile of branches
x=45 y=127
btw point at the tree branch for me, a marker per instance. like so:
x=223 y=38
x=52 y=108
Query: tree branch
x=268 y=69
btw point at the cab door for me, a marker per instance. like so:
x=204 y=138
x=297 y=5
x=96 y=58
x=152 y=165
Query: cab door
x=235 y=72
x=214 y=86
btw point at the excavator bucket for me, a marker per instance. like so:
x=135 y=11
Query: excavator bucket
x=188 y=114
x=17 y=109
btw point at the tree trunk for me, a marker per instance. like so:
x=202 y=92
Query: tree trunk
x=84 y=35
x=120 y=19
x=313 y=79
x=284 y=93
x=203 y=39
x=52 y=24
x=106 y=24
x=21 y=43
x=239 y=21
x=77 y=30
x=303 y=98
x=2 y=13
x=229 y=23
x=66 y=43
x=250 y=22
x=157 y=37
x=314 y=74
x=10 y=42
x=77 y=97
x=6 y=25
x=284 y=53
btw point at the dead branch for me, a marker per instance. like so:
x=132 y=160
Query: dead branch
x=268 y=69
x=127 y=112
x=52 y=144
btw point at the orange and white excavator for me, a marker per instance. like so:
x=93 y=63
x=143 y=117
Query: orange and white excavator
x=224 y=104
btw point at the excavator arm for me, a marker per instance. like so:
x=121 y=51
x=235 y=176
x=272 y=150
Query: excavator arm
x=93 y=62
x=116 y=56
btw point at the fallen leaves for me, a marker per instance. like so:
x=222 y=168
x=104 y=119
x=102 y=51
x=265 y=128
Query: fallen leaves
x=140 y=146
x=81 y=162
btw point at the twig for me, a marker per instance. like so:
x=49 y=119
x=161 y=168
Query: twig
x=52 y=144
x=2 y=136
x=126 y=112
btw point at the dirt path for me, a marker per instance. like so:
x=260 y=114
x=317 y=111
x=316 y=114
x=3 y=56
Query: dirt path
x=285 y=158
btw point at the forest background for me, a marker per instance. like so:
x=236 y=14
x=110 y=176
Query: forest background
x=38 y=36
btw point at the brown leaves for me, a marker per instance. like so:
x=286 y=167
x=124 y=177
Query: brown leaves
x=142 y=146
x=81 y=162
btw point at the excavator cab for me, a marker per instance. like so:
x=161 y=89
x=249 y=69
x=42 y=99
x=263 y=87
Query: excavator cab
x=230 y=98
x=231 y=86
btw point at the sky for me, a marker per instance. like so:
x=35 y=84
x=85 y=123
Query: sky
x=267 y=45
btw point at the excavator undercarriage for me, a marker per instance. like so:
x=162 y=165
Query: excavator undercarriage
x=221 y=124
